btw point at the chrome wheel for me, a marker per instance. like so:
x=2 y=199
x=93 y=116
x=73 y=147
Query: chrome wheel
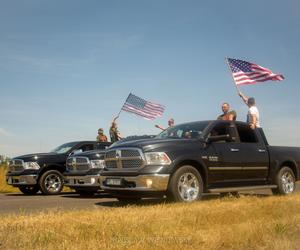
x=288 y=182
x=188 y=187
x=53 y=183
x=285 y=181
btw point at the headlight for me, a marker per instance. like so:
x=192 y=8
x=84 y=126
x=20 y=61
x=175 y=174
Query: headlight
x=157 y=158
x=97 y=164
x=31 y=165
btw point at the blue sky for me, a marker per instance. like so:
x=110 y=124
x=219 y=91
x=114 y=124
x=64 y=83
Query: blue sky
x=67 y=66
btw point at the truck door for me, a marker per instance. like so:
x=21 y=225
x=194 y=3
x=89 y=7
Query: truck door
x=254 y=154
x=227 y=166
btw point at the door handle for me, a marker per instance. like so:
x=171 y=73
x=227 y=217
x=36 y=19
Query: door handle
x=261 y=150
x=234 y=150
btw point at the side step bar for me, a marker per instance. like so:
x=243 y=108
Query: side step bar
x=235 y=189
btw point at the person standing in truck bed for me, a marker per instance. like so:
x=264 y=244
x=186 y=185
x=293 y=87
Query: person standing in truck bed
x=228 y=115
x=253 y=113
x=101 y=137
x=170 y=124
x=114 y=132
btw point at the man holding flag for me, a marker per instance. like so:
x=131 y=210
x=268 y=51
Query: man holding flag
x=253 y=113
x=250 y=73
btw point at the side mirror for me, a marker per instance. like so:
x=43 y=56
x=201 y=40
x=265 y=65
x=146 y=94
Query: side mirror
x=216 y=138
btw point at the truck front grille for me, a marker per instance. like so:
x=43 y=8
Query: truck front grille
x=16 y=165
x=124 y=158
x=78 y=164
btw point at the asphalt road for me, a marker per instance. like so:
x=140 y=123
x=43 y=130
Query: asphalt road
x=19 y=204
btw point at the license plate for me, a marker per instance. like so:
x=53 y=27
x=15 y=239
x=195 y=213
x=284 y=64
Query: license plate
x=114 y=182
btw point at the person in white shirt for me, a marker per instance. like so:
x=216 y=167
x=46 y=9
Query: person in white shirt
x=253 y=113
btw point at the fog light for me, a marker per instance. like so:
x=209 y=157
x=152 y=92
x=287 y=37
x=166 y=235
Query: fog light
x=93 y=180
x=149 y=183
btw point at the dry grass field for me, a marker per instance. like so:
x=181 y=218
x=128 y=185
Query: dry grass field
x=248 y=222
x=4 y=188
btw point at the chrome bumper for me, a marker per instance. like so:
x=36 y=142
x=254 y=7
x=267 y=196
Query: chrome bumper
x=21 y=180
x=82 y=181
x=155 y=182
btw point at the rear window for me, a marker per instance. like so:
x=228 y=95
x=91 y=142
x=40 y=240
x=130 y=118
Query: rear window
x=246 y=134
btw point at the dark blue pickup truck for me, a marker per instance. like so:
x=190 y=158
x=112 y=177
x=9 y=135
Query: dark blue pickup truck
x=44 y=171
x=187 y=160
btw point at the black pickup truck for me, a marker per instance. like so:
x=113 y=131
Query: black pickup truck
x=83 y=170
x=187 y=160
x=43 y=171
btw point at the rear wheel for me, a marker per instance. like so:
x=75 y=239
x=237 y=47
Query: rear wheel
x=29 y=190
x=186 y=185
x=285 y=181
x=51 y=182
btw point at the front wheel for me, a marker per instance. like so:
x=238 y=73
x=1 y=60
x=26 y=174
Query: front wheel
x=29 y=190
x=186 y=185
x=51 y=182
x=285 y=181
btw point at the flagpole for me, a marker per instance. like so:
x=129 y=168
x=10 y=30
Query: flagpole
x=121 y=108
x=226 y=59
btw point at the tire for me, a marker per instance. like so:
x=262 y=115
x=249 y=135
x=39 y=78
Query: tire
x=186 y=185
x=29 y=190
x=285 y=181
x=51 y=182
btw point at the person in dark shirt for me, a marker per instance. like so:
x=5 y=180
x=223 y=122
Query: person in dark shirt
x=228 y=115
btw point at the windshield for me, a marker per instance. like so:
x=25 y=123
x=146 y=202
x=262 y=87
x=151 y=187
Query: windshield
x=63 y=148
x=184 y=131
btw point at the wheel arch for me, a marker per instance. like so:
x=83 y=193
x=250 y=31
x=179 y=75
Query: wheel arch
x=196 y=164
x=50 y=167
x=292 y=165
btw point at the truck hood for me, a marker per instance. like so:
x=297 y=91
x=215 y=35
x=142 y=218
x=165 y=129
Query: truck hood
x=154 y=144
x=36 y=156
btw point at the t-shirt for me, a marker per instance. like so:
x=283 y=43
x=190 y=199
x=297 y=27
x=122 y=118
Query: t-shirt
x=113 y=132
x=253 y=111
x=101 y=138
x=225 y=117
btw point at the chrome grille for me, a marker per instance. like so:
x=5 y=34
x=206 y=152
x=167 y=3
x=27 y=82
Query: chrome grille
x=111 y=164
x=132 y=163
x=130 y=153
x=16 y=165
x=124 y=158
x=111 y=154
x=78 y=164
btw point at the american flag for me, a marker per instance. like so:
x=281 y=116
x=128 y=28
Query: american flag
x=141 y=107
x=249 y=73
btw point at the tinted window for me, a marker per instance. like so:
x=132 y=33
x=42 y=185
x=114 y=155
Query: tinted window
x=184 y=131
x=64 y=148
x=86 y=147
x=224 y=129
x=246 y=133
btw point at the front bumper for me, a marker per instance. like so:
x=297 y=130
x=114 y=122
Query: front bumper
x=82 y=181
x=22 y=180
x=141 y=183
